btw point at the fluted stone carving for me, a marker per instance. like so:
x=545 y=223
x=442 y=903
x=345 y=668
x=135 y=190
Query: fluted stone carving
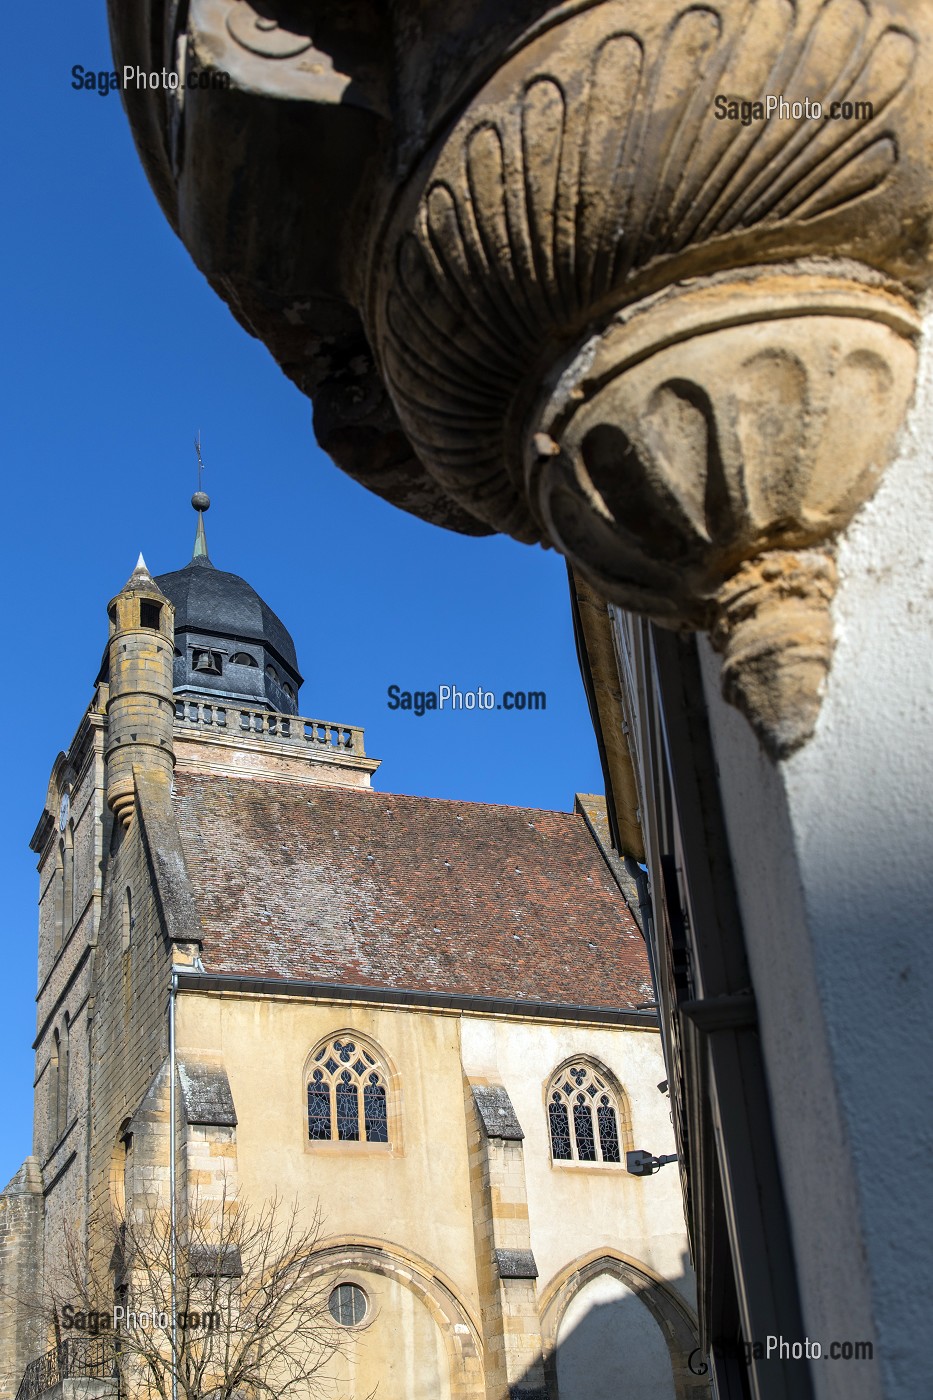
x=698 y=460
x=558 y=296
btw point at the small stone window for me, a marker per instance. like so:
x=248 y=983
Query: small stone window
x=150 y=614
x=585 y=1123
x=65 y=893
x=127 y=922
x=348 y=1304
x=58 y=1082
x=243 y=658
x=347 y=1094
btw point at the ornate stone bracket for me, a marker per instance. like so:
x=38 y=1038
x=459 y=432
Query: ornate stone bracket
x=734 y=384
x=554 y=289
x=698 y=459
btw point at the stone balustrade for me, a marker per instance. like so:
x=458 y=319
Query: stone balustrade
x=236 y=721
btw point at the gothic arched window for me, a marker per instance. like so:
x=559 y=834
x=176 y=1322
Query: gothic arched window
x=54 y=1098
x=64 y=895
x=127 y=920
x=347 y=1093
x=586 y=1118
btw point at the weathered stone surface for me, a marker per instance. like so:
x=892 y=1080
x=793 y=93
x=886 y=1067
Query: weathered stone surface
x=22 y=1332
x=516 y=1263
x=206 y=1094
x=496 y=1112
x=719 y=425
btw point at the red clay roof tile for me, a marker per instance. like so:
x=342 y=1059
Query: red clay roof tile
x=361 y=887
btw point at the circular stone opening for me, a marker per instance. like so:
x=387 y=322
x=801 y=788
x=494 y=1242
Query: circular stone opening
x=348 y=1304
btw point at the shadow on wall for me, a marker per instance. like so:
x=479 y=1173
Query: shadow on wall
x=616 y=1341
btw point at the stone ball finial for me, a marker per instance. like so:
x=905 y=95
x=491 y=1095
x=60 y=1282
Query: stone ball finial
x=201 y=501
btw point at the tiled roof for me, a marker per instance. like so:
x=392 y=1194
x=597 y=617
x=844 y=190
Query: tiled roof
x=363 y=888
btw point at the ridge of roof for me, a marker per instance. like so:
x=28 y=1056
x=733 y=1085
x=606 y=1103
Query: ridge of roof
x=294 y=788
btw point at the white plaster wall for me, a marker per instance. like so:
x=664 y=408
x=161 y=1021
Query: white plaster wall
x=577 y=1209
x=834 y=857
x=609 y=1347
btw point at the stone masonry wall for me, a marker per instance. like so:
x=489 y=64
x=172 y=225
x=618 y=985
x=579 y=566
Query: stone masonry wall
x=130 y=1031
x=22 y=1328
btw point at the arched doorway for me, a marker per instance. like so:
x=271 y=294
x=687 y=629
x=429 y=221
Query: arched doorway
x=609 y=1347
x=614 y=1330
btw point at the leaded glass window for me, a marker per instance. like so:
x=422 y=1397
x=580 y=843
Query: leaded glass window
x=560 y=1128
x=583 y=1130
x=374 y=1098
x=348 y=1108
x=347 y=1094
x=347 y=1304
x=319 y=1116
x=608 y=1130
x=583 y=1115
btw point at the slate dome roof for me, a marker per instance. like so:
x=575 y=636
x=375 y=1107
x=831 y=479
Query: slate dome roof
x=224 y=605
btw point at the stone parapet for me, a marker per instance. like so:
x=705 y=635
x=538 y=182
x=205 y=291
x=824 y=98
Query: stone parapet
x=230 y=740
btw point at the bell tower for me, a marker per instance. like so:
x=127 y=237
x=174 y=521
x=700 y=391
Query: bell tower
x=140 y=710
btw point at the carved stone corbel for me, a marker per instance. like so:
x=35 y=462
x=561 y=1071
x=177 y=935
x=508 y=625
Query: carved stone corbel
x=737 y=303
x=700 y=457
x=538 y=281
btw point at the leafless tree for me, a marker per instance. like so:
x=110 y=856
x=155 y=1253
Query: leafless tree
x=247 y=1316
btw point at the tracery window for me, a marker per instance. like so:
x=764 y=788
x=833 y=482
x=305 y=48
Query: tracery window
x=583 y=1115
x=347 y=1094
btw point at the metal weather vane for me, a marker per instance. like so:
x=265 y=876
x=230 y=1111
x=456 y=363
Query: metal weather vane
x=197 y=448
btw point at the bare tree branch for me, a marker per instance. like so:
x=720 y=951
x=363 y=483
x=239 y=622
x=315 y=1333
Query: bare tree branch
x=251 y=1315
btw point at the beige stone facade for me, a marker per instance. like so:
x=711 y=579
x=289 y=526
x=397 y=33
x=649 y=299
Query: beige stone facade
x=485 y=1254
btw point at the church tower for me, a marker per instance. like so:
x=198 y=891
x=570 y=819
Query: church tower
x=430 y=1020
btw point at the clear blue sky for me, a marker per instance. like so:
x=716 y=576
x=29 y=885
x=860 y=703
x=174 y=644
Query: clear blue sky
x=115 y=353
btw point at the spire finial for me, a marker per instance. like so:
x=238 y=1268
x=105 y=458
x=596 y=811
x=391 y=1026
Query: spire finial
x=141 y=578
x=201 y=502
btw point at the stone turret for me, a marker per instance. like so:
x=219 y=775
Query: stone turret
x=141 y=710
